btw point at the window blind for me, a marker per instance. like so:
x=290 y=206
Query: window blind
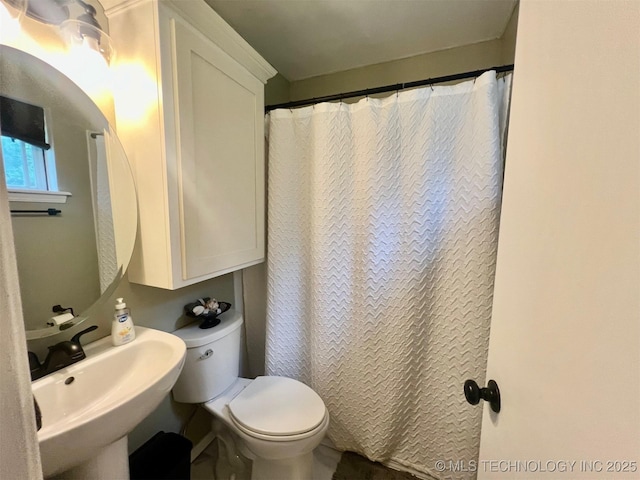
x=23 y=121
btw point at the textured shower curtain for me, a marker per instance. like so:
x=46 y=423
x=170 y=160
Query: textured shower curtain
x=102 y=206
x=383 y=222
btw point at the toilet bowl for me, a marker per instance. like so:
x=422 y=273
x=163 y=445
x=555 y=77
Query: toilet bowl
x=274 y=421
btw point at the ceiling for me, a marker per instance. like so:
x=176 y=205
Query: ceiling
x=306 y=38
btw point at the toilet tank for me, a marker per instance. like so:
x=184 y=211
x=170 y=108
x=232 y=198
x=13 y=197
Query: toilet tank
x=212 y=362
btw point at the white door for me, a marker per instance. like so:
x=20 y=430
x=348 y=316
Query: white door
x=565 y=333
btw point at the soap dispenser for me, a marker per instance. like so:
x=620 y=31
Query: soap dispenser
x=122 y=329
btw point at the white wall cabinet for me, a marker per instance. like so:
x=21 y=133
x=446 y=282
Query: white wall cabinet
x=189 y=102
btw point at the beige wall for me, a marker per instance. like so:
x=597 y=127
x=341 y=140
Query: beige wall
x=444 y=62
x=508 y=39
x=277 y=90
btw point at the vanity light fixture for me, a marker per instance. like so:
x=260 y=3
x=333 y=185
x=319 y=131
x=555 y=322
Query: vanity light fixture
x=81 y=35
x=90 y=53
x=85 y=32
x=82 y=31
x=88 y=59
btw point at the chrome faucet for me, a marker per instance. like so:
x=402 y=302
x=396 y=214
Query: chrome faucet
x=60 y=355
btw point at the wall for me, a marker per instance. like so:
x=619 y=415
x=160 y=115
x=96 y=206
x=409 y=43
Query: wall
x=435 y=64
x=277 y=90
x=444 y=62
x=508 y=39
x=468 y=57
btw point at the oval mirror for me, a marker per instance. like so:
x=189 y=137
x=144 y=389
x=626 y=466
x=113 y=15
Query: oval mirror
x=72 y=259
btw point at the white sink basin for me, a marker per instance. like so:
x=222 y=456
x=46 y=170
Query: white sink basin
x=99 y=400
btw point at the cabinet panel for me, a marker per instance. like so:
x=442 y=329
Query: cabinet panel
x=196 y=141
x=220 y=157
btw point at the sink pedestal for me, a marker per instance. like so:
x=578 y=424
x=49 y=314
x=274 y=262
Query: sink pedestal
x=111 y=463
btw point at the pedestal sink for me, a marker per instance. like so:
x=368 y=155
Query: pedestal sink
x=89 y=408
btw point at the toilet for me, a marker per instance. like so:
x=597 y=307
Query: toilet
x=274 y=421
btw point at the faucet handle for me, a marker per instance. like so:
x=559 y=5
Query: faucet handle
x=76 y=337
x=34 y=363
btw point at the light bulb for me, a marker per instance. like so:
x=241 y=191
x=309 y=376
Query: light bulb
x=79 y=34
x=89 y=55
x=11 y=13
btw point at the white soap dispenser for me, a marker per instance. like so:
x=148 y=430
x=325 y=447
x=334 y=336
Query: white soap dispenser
x=122 y=330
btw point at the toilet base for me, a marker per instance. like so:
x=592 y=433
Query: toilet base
x=295 y=468
x=298 y=467
x=232 y=462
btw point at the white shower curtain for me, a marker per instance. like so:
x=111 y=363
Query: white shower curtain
x=383 y=223
x=102 y=208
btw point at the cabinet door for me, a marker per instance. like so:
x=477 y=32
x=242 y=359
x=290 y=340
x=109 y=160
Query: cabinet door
x=220 y=164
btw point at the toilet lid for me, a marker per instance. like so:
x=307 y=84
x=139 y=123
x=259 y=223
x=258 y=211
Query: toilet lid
x=277 y=406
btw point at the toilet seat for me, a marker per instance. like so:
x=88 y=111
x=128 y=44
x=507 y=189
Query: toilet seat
x=282 y=438
x=277 y=408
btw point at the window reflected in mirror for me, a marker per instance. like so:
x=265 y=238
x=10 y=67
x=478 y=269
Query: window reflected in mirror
x=29 y=161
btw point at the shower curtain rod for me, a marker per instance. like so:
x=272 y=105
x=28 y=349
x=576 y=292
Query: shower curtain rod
x=388 y=88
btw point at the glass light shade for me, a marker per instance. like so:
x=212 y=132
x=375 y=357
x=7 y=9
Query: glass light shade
x=88 y=59
x=79 y=35
x=11 y=14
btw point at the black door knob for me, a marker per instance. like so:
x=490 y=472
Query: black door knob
x=490 y=393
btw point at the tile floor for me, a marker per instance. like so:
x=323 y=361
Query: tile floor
x=325 y=460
